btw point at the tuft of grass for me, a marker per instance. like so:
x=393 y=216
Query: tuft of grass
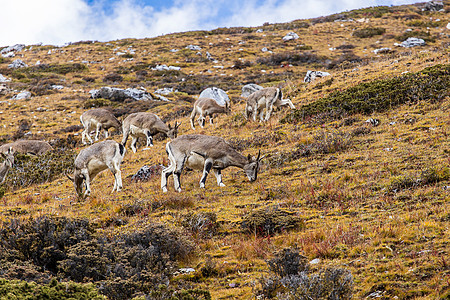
x=368 y=32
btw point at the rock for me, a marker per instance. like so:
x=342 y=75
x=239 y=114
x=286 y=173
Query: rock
x=57 y=87
x=311 y=75
x=382 y=50
x=264 y=49
x=249 y=89
x=315 y=261
x=448 y=26
x=165 y=68
x=193 y=48
x=16 y=64
x=22 y=96
x=433 y=6
x=217 y=94
x=259 y=31
x=412 y=42
x=15 y=48
x=116 y=94
x=165 y=91
x=4 y=79
x=146 y=172
x=9 y=54
x=374 y=122
x=290 y=36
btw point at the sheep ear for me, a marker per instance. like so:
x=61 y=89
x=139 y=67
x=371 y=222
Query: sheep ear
x=177 y=124
x=168 y=125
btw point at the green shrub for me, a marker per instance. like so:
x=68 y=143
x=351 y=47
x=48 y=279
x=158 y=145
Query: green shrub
x=368 y=32
x=426 y=36
x=268 y=221
x=430 y=84
x=291 y=58
x=98 y=102
x=30 y=170
x=291 y=278
x=15 y=289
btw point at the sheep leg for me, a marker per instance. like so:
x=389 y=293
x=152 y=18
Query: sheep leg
x=177 y=174
x=149 y=138
x=193 y=114
x=133 y=143
x=218 y=174
x=97 y=131
x=87 y=181
x=206 y=169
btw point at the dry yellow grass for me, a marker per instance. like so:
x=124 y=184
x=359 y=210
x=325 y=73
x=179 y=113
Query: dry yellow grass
x=394 y=243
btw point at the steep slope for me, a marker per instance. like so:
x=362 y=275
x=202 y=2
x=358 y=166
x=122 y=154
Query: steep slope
x=369 y=200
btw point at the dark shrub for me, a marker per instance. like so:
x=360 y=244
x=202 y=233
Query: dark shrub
x=268 y=221
x=203 y=224
x=291 y=58
x=30 y=170
x=15 y=289
x=368 y=32
x=112 y=77
x=290 y=278
x=430 y=84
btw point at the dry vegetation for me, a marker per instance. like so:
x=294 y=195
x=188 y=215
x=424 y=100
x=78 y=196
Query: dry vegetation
x=370 y=202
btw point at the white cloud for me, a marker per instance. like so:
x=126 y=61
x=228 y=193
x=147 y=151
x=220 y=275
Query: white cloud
x=61 y=21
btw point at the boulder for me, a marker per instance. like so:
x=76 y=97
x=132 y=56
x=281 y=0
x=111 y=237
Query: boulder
x=4 y=79
x=146 y=173
x=311 y=75
x=165 y=91
x=290 y=36
x=412 y=42
x=249 y=89
x=116 y=94
x=165 y=68
x=22 y=95
x=193 y=48
x=15 y=48
x=217 y=94
x=382 y=50
x=433 y=6
x=17 y=64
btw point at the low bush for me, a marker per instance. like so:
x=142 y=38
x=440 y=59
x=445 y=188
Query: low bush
x=430 y=84
x=15 y=289
x=368 y=32
x=291 y=278
x=30 y=170
x=426 y=36
x=122 y=265
x=268 y=221
x=113 y=77
x=291 y=58
x=203 y=224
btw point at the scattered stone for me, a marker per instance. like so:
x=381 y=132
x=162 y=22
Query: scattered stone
x=165 y=68
x=412 y=42
x=165 y=91
x=4 y=79
x=311 y=75
x=117 y=94
x=217 y=94
x=8 y=55
x=57 y=87
x=146 y=172
x=290 y=36
x=23 y=95
x=264 y=49
x=193 y=48
x=433 y=6
x=17 y=64
x=448 y=26
x=249 y=89
x=209 y=56
x=382 y=50
x=15 y=48
x=259 y=31
x=315 y=261
x=174 y=50
x=373 y=122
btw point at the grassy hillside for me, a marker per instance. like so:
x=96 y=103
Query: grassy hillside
x=358 y=210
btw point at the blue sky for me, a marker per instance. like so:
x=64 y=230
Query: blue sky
x=58 y=22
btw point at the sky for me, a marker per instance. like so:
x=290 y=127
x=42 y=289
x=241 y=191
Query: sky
x=57 y=22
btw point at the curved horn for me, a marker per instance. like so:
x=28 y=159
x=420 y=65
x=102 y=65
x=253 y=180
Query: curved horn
x=259 y=154
x=70 y=178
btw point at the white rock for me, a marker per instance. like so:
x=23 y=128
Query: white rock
x=412 y=42
x=16 y=64
x=290 y=36
x=4 y=79
x=217 y=94
x=311 y=75
x=315 y=261
x=15 y=48
x=193 y=47
x=382 y=50
x=22 y=96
